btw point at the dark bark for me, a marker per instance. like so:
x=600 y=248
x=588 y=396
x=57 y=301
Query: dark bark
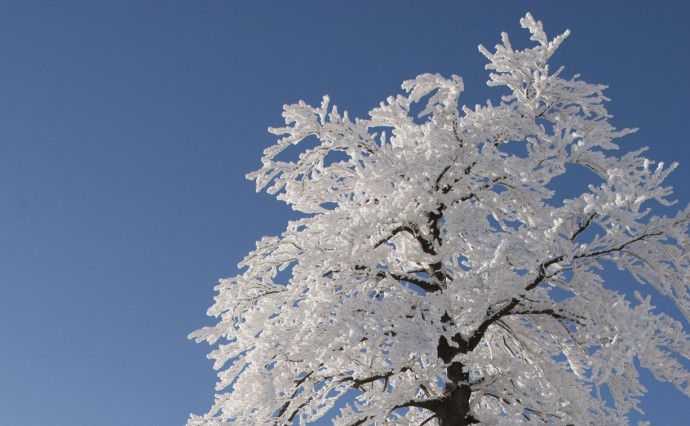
x=454 y=409
x=455 y=405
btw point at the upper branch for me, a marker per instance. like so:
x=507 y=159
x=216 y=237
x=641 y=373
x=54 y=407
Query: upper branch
x=508 y=308
x=619 y=248
x=358 y=383
x=583 y=227
x=412 y=229
x=425 y=285
x=493 y=316
x=561 y=316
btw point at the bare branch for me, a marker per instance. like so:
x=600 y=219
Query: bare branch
x=425 y=285
x=411 y=229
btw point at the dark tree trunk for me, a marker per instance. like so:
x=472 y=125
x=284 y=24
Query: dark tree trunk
x=455 y=409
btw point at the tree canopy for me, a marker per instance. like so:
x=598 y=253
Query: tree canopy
x=439 y=274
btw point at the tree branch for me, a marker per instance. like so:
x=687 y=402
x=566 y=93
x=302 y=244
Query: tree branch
x=505 y=310
x=285 y=406
x=358 y=383
x=583 y=227
x=619 y=248
x=549 y=312
x=412 y=229
x=428 y=286
x=493 y=317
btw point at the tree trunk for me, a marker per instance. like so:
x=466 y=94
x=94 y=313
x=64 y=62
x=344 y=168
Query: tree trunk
x=455 y=410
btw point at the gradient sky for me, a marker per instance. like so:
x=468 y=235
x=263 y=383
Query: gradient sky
x=126 y=129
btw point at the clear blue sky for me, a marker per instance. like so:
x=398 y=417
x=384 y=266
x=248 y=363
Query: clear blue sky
x=126 y=129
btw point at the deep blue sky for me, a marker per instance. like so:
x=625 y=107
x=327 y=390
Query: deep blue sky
x=126 y=129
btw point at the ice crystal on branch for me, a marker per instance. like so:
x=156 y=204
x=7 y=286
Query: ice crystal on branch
x=438 y=278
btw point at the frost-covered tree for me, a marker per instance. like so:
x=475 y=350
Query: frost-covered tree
x=438 y=275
